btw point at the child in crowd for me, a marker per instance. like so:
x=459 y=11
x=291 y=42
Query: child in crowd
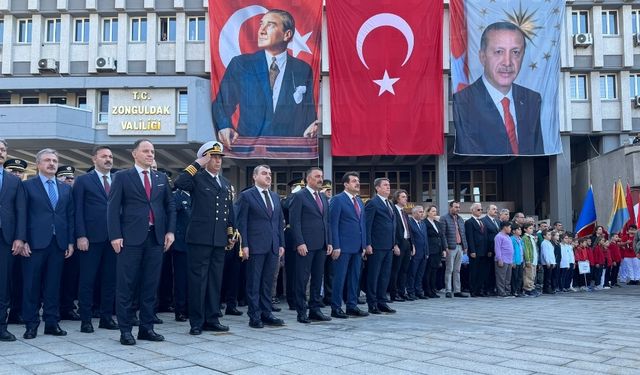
x=615 y=257
x=581 y=254
x=504 y=258
x=596 y=259
x=627 y=274
x=548 y=261
x=518 y=260
x=635 y=262
x=557 y=252
x=567 y=263
x=530 y=253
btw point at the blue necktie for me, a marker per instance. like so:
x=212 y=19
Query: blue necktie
x=53 y=194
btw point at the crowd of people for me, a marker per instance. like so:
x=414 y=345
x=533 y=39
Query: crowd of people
x=131 y=244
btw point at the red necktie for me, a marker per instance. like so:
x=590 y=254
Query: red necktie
x=510 y=125
x=147 y=190
x=318 y=201
x=357 y=207
x=107 y=186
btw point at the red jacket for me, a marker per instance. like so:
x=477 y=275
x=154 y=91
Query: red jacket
x=596 y=256
x=614 y=253
x=626 y=249
x=581 y=254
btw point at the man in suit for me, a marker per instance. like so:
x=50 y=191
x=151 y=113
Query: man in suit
x=290 y=248
x=453 y=227
x=492 y=223
x=476 y=232
x=494 y=116
x=421 y=251
x=381 y=246
x=208 y=233
x=95 y=255
x=13 y=228
x=16 y=167
x=309 y=219
x=349 y=240
x=232 y=275
x=261 y=225
x=50 y=240
x=180 y=249
x=273 y=90
x=141 y=221
x=71 y=268
x=400 y=263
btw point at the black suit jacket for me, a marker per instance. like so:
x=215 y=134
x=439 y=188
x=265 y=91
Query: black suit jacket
x=90 y=201
x=13 y=209
x=128 y=207
x=480 y=129
x=476 y=237
x=42 y=217
x=436 y=239
x=211 y=210
x=381 y=224
x=245 y=85
x=309 y=225
x=492 y=230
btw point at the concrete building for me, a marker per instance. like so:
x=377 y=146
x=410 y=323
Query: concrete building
x=75 y=72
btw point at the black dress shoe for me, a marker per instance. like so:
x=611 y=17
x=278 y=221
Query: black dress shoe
x=339 y=314
x=195 y=331
x=461 y=295
x=437 y=296
x=303 y=318
x=149 y=335
x=255 y=323
x=232 y=311
x=272 y=321
x=356 y=312
x=109 y=324
x=6 y=336
x=275 y=308
x=398 y=299
x=180 y=317
x=86 y=327
x=319 y=316
x=127 y=339
x=215 y=327
x=374 y=310
x=422 y=296
x=156 y=320
x=70 y=315
x=448 y=295
x=30 y=333
x=410 y=297
x=385 y=308
x=55 y=331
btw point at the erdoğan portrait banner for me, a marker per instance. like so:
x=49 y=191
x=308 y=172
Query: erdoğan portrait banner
x=265 y=65
x=386 y=77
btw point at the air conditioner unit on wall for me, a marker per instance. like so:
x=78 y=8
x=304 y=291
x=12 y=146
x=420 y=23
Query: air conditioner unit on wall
x=582 y=40
x=105 y=64
x=47 y=64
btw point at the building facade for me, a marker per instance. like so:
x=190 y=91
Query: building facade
x=82 y=72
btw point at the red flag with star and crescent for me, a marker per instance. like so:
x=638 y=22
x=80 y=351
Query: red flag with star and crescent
x=386 y=82
x=277 y=129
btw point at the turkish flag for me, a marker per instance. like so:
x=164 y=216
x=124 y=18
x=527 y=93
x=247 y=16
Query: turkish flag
x=386 y=77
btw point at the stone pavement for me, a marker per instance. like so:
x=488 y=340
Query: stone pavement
x=578 y=333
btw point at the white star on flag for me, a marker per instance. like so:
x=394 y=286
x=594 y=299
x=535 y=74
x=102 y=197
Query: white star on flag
x=299 y=43
x=386 y=83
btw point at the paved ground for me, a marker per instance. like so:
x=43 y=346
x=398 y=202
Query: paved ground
x=577 y=333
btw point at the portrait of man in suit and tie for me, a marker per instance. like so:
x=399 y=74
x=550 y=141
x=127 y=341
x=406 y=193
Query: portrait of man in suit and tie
x=495 y=116
x=272 y=90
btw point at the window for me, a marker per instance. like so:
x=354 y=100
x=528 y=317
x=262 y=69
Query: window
x=196 y=29
x=24 y=31
x=608 y=86
x=30 y=100
x=580 y=21
x=81 y=102
x=53 y=31
x=139 y=29
x=110 y=30
x=103 y=115
x=58 y=100
x=579 y=87
x=478 y=185
x=81 y=34
x=635 y=21
x=429 y=188
x=609 y=22
x=167 y=29
x=183 y=112
x=1 y=30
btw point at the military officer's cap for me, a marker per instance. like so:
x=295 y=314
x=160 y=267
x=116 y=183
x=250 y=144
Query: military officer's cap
x=211 y=148
x=15 y=165
x=326 y=184
x=296 y=185
x=65 y=171
x=165 y=171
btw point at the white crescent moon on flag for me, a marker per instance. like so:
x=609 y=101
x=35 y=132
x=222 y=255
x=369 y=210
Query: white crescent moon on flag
x=229 y=41
x=384 y=19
